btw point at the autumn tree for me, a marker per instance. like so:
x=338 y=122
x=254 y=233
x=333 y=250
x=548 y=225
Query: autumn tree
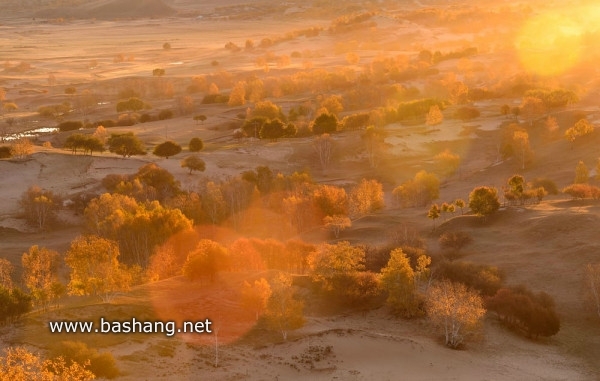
x=213 y=202
x=238 y=95
x=206 y=260
x=456 y=310
x=195 y=145
x=21 y=148
x=483 y=201
x=332 y=105
x=40 y=207
x=14 y=303
x=323 y=146
x=366 y=197
x=460 y=203
x=95 y=268
x=592 y=281
x=193 y=163
x=434 y=213
x=520 y=308
x=333 y=265
x=582 y=174
x=40 y=275
x=256 y=296
x=266 y=110
x=419 y=191
x=447 y=162
x=374 y=139
x=521 y=143
x=487 y=280
x=284 y=313
x=434 y=116
x=398 y=280
x=324 y=124
x=532 y=108
x=331 y=200
x=272 y=129
x=138 y=228
x=453 y=242
x=132 y=104
x=579 y=129
x=6 y=271
x=126 y=145
x=87 y=143
x=200 y=118
x=337 y=224
x=19 y=364
x=167 y=149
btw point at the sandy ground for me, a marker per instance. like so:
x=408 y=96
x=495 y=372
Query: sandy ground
x=532 y=244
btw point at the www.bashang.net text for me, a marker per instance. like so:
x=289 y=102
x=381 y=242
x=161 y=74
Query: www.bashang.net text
x=169 y=328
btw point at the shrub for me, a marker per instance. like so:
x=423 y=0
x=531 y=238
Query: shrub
x=520 y=308
x=165 y=114
x=547 y=184
x=215 y=98
x=70 y=125
x=5 y=152
x=466 y=113
x=145 y=118
x=103 y=365
x=195 y=145
x=485 y=279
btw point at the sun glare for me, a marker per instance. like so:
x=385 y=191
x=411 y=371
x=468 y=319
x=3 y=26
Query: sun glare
x=550 y=44
x=553 y=42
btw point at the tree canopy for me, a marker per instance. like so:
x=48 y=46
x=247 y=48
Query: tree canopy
x=167 y=149
x=483 y=201
x=126 y=144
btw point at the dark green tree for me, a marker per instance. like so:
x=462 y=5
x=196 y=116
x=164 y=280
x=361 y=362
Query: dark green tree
x=167 y=149
x=195 y=145
x=273 y=130
x=324 y=124
x=193 y=163
x=483 y=201
x=126 y=144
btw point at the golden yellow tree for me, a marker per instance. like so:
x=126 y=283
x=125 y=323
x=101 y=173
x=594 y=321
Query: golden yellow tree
x=95 y=268
x=434 y=116
x=255 y=296
x=456 y=310
x=18 y=364
x=40 y=274
x=366 y=197
x=592 y=279
x=284 y=313
x=6 y=270
x=237 y=97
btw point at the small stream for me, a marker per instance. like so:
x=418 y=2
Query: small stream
x=29 y=134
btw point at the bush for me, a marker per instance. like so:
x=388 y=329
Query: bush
x=547 y=184
x=485 y=279
x=70 y=125
x=5 y=152
x=165 y=114
x=145 y=118
x=455 y=241
x=466 y=113
x=581 y=191
x=195 y=145
x=520 y=308
x=215 y=98
x=107 y=123
x=103 y=365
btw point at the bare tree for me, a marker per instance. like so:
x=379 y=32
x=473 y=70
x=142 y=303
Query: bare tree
x=592 y=275
x=323 y=146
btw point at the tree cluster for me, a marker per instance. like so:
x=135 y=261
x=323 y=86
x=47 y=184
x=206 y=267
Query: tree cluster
x=521 y=309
